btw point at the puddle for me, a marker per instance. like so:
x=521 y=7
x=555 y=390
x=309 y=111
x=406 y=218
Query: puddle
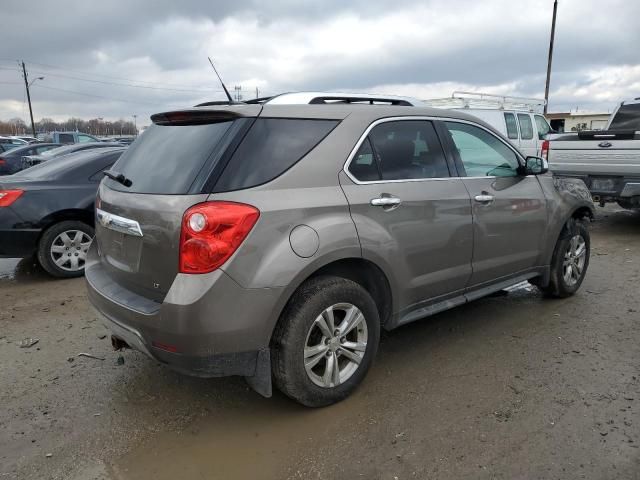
x=253 y=441
x=21 y=270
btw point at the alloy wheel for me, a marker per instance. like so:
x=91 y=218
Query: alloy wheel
x=574 y=260
x=335 y=345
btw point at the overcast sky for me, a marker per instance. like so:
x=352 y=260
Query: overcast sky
x=114 y=59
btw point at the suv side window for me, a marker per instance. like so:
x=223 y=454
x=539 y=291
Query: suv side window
x=364 y=166
x=512 y=128
x=482 y=153
x=407 y=150
x=65 y=138
x=543 y=126
x=526 y=127
x=85 y=139
x=270 y=148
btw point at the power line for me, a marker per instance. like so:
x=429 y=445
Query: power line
x=88 y=74
x=95 y=96
x=104 y=82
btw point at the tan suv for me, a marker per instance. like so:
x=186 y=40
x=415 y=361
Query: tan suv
x=273 y=240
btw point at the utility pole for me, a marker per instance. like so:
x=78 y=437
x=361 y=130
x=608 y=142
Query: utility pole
x=26 y=85
x=553 y=34
x=257 y=93
x=135 y=124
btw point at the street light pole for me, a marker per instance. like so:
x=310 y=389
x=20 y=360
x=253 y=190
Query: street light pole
x=135 y=124
x=553 y=34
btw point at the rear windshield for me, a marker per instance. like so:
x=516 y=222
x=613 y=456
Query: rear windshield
x=56 y=167
x=627 y=118
x=166 y=159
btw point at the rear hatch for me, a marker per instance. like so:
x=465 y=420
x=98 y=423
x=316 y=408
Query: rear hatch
x=170 y=168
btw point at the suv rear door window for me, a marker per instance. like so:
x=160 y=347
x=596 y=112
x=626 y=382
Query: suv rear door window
x=65 y=138
x=364 y=166
x=512 y=128
x=168 y=158
x=526 y=127
x=271 y=147
x=408 y=149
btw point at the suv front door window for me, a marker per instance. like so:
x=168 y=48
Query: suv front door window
x=509 y=210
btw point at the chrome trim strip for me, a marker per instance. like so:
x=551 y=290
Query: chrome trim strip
x=118 y=223
x=362 y=138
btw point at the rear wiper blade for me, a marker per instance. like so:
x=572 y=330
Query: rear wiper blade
x=117 y=177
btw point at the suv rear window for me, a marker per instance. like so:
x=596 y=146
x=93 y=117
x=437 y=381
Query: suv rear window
x=167 y=159
x=272 y=146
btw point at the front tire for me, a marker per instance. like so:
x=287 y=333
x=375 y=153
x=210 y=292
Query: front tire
x=63 y=248
x=570 y=260
x=325 y=341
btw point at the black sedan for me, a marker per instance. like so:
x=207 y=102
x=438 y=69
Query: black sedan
x=48 y=210
x=11 y=160
x=30 y=161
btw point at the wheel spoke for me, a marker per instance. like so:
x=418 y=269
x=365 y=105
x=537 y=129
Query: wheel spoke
x=351 y=356
x=322 y=325
x=57 y=248
x=312 y=361
x=351 y=320
x=356 y=346
x=77 y=238
x=65 y=239
x=329 y=370
x=61 y=261
x=74 y=262
x=313 y=351
x=328 y=317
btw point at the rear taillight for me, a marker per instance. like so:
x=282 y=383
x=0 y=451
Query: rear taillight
x=3 y=161
x=212 y=232
x=544 y=152
x=7 y=197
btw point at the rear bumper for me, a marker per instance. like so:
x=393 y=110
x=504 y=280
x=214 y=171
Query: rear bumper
x=207 y=325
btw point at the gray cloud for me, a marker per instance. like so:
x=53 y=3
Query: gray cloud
x=284 y=45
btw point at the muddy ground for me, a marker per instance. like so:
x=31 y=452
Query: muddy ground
x=508 y=387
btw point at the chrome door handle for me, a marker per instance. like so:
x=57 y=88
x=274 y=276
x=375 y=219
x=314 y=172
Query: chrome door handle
x=386 y=202
x=484 y=198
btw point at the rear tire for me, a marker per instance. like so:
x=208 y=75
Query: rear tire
x=311 y=364
x=570 y=260
x=63 y=248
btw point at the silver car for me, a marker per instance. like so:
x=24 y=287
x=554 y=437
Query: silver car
x=274 y=240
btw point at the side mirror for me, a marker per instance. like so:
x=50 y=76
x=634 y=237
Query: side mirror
x=535 y=166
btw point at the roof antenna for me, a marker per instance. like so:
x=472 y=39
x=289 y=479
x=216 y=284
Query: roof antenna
x=221 y=82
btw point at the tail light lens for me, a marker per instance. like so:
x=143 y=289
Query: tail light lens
x=7 y=197
x=212 y=232
x=2 y=161
x=544 y=152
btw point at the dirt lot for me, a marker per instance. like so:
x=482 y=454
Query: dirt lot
x=507 y=387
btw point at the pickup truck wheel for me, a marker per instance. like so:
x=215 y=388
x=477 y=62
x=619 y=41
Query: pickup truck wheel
x=570 y=260
x=325 y=341
x=63 y=248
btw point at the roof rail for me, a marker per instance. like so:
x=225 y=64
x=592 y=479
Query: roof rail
x=329 y=98
x=479 y=100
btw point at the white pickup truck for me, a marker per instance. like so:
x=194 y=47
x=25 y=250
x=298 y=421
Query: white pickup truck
x=608 y=161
